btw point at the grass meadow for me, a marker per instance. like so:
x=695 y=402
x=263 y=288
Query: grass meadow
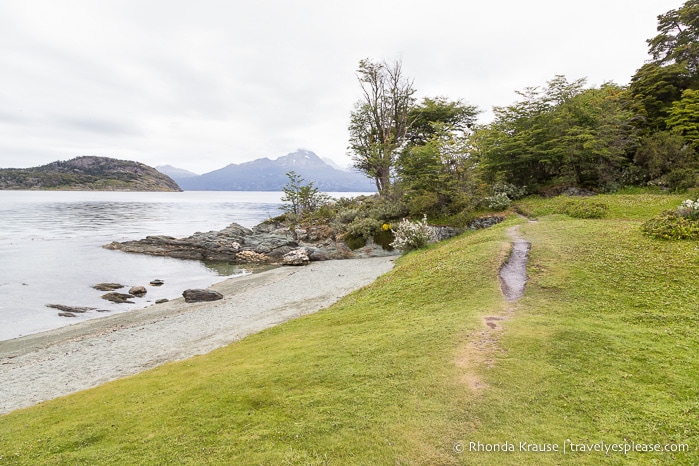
x=430 y=365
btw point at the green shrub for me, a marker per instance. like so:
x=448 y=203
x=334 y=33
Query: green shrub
x=384 y=237
x=513 y=192
x=354 y=242
x=364 y=228
x=498 y=202
x=423 y=202
x=583 y=209
x=669 y=225
x=347 y=216
x=386 y=210
x=681 y=179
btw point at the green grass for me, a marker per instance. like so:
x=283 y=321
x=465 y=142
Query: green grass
x=602 y=348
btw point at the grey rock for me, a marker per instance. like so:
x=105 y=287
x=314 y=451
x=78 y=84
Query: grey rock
x=198 y=295
x=119 y=298
x=66 y=314
x=138 y=291
x=582 y=192
x=108 y=286
x=161 y=301
x=70 y=309
x=157 y=282
x=485 y=222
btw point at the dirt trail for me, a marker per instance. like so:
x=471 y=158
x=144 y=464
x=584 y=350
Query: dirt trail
x=513 y=274
x=483 y=345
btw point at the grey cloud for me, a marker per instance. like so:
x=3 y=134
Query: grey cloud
x=103 y=126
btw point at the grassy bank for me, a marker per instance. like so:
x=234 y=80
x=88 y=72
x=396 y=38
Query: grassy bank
x=428 y=359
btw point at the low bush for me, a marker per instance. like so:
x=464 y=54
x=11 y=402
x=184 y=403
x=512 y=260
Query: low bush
x=682 y=223
x=681 y=179
x=583 y=208
x=512 y=191
x=670 y=226
x=499 y=201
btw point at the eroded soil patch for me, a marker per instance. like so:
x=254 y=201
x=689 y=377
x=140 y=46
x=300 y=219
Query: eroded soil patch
x=483 y=346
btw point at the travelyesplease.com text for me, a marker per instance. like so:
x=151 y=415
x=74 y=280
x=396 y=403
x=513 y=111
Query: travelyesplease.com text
x=570 y=446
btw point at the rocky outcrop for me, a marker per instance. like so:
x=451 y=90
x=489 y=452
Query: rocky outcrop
x=268 y=242
x=199 y=295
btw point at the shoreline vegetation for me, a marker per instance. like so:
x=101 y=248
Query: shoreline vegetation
x=427 y=360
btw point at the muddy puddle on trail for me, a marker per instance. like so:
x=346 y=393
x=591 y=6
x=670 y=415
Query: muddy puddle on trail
x=513 y=274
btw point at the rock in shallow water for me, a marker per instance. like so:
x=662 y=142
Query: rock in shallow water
x=118 y=298
x=138 y=291
x=70 y=309
x=108 y=286
x=198 y=295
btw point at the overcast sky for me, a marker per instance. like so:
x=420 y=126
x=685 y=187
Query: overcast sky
x=202 y=84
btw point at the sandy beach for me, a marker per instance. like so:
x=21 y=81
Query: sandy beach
x=47 y=365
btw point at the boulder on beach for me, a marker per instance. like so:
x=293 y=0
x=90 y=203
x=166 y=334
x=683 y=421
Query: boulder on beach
x=119 y=298
x=198 y=295
x=138 y=291
x=157 y=282
x=296 y=257
x=108 y=286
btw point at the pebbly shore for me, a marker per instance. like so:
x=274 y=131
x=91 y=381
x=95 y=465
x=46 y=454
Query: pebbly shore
x=51 y=364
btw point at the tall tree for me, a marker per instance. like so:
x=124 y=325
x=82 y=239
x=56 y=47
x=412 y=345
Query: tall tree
x=562 y=134
x=456 y=114
x=684 y=116
x=435 y=166
x=678 y=37
x=672 y=70
x=379 y=123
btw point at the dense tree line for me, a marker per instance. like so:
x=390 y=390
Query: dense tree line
x=434 y=156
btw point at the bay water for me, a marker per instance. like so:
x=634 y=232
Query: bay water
x=51 y=248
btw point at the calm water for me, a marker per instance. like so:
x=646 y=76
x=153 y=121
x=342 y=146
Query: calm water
x=50 y=248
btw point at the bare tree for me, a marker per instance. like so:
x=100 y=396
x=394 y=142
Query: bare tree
x=379 y=123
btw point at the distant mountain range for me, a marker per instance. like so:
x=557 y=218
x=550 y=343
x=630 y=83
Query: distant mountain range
x=270 y=175
x=88 y=173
